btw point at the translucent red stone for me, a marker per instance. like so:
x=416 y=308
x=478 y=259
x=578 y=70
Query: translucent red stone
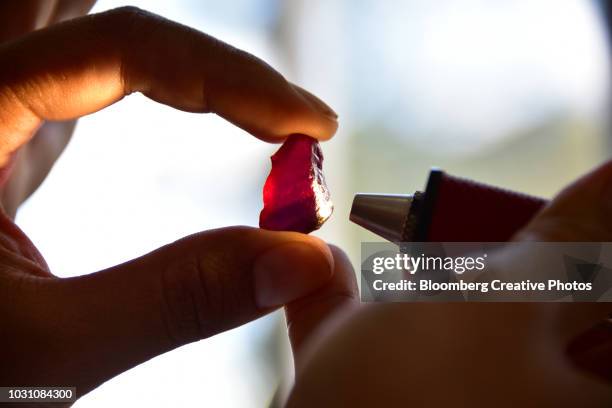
x=295 y=194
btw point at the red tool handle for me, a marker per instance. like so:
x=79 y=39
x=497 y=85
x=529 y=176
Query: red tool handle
x=460 y=210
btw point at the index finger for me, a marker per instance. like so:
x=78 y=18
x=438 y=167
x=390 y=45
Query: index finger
x=78 y=67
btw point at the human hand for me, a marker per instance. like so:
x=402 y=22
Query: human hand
x=82 y=331
x=460 y=354
x=33 y=161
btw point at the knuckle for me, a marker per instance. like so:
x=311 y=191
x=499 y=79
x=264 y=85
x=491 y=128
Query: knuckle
x=127 y=14
x=128 y=23
x=201 y=298
x=111 y=34
x=227 y=289
x=125 y=30
x=182 y=302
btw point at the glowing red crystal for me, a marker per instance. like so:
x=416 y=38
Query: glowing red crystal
x=295 y=195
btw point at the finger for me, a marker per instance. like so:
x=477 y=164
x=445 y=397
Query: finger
x=22 y=17
x=192 y=289
x=307 y=315
x=30 y=165
x=580 y=212
x=128 y=50
x=67 y=9
x=27 y=15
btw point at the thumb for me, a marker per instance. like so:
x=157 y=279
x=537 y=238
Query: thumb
x=189 y=290
x=311 y=318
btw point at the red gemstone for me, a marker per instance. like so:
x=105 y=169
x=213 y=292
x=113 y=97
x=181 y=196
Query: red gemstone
x=295 y=195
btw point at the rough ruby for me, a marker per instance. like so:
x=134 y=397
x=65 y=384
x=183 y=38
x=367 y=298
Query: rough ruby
x=295 y=195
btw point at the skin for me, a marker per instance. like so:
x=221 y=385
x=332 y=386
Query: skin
x=460 y=354
x=188 y=290
x=345 y=353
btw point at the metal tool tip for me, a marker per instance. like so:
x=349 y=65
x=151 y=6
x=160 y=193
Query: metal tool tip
x=383 y=214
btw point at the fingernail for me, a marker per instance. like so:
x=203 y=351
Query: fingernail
x=317 y=103
x=288 y=272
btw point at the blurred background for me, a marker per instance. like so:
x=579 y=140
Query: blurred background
x=512 y=93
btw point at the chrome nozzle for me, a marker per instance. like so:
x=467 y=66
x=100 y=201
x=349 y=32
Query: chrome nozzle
x=383 y=214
